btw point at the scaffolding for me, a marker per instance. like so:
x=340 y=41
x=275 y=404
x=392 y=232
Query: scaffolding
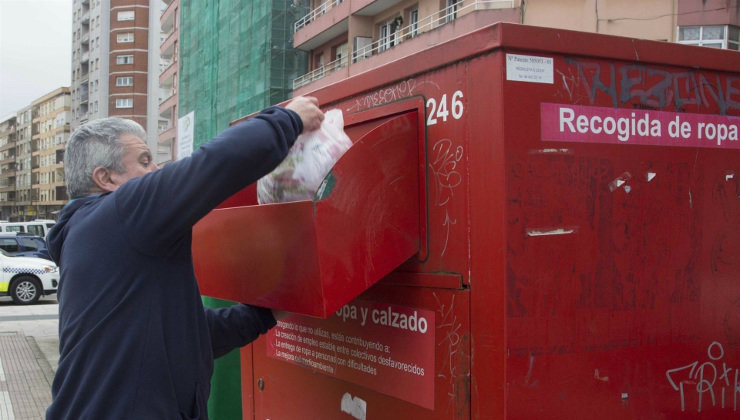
x=237 y=57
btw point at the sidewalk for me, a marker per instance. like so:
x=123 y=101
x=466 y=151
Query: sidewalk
x=29 y=353
x=25 y=378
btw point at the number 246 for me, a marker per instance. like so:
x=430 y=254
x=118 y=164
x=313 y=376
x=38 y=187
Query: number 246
x=441 y=112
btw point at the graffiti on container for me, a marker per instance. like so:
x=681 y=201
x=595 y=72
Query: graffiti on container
x=384 y=96
x=443 y=165
x=707 y=383
x=651 y=87
x=453 y=368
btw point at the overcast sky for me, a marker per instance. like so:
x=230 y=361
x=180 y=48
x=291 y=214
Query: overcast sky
x=35 y=50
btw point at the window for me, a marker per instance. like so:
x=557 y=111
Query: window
x=340 y=55
x=714 y=36
x=125 y=81
x=33 y=243
x=319 y=61
x=451 y=10
x=125 y=37
x=125 y=59
x=362 y=48
x=414 y=22
x=125 y=103
x=9 y=245
x=127 y=15
x=733 y=38
x=387 y=35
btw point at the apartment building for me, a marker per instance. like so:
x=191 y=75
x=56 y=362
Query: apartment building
x=23 y=159
x=709 y=23
x=115 y=62
x=128 y=60
x=7 y=166
x=347 y=37
x=90 y=53
x=50 y=132
x=168 y=78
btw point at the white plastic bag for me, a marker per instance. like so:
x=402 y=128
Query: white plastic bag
x=308 y=161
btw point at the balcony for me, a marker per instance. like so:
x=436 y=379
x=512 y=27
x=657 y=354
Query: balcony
x=402 y=41
x=164 y=64
x=315 y=13
x=7 y=129
x=327 y=22
x=167 y=76
x=7 y=146
x=320 y=72
x=167 y=49
x=168 y=18
x=164 y=125
x=168 y=135
x=167 y=105
x=428 y=23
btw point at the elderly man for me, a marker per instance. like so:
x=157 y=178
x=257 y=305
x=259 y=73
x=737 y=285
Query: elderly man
x=135 y=339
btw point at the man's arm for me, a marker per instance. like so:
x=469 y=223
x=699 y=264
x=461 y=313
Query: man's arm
x=237 y=326
x=168 y=202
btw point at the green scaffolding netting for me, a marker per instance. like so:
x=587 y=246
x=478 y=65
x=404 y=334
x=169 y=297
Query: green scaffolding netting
x=236 y=57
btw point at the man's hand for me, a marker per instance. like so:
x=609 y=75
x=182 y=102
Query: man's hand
x=307 y=107
x=280 y=315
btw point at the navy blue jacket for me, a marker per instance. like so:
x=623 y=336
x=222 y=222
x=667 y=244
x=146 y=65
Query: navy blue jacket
x=135 y=339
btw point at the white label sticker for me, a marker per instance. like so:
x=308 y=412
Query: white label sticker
x=528 y=68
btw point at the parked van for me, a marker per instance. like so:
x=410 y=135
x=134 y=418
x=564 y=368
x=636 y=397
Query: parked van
x=38 y=227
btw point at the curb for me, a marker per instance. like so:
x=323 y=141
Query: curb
x=41 y=359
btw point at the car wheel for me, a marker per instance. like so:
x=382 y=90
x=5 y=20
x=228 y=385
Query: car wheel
x=25 y=290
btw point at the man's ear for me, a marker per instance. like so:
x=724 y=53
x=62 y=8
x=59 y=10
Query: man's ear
x=101 y=178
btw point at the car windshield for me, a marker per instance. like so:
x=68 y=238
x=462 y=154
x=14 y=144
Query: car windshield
x=33 y=243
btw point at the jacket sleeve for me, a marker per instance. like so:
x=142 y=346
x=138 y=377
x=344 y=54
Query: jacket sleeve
x=237 y=326
x=160 y=208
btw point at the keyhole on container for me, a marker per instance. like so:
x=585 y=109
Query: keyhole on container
x=261 y=384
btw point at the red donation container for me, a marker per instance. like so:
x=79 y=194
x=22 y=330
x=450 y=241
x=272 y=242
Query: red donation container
x=531 y=224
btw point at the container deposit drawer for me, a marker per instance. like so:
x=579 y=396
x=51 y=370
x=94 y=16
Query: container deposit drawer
x=312 y=257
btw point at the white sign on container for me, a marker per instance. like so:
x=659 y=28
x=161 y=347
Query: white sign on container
x=528 y=68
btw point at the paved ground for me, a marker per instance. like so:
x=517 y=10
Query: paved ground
x=29 y=352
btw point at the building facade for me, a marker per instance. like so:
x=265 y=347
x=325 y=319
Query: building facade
x=168 y=78
x=115 y=62
x=50 y=132
x=90 y=59
x=7 y=166
x=24 y=158
x=346 y=37
x=709 y=23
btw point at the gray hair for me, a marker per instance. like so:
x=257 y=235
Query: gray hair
x=97 y=143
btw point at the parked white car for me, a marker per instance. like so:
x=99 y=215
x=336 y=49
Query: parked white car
x=26 y=279
x=38 y=227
